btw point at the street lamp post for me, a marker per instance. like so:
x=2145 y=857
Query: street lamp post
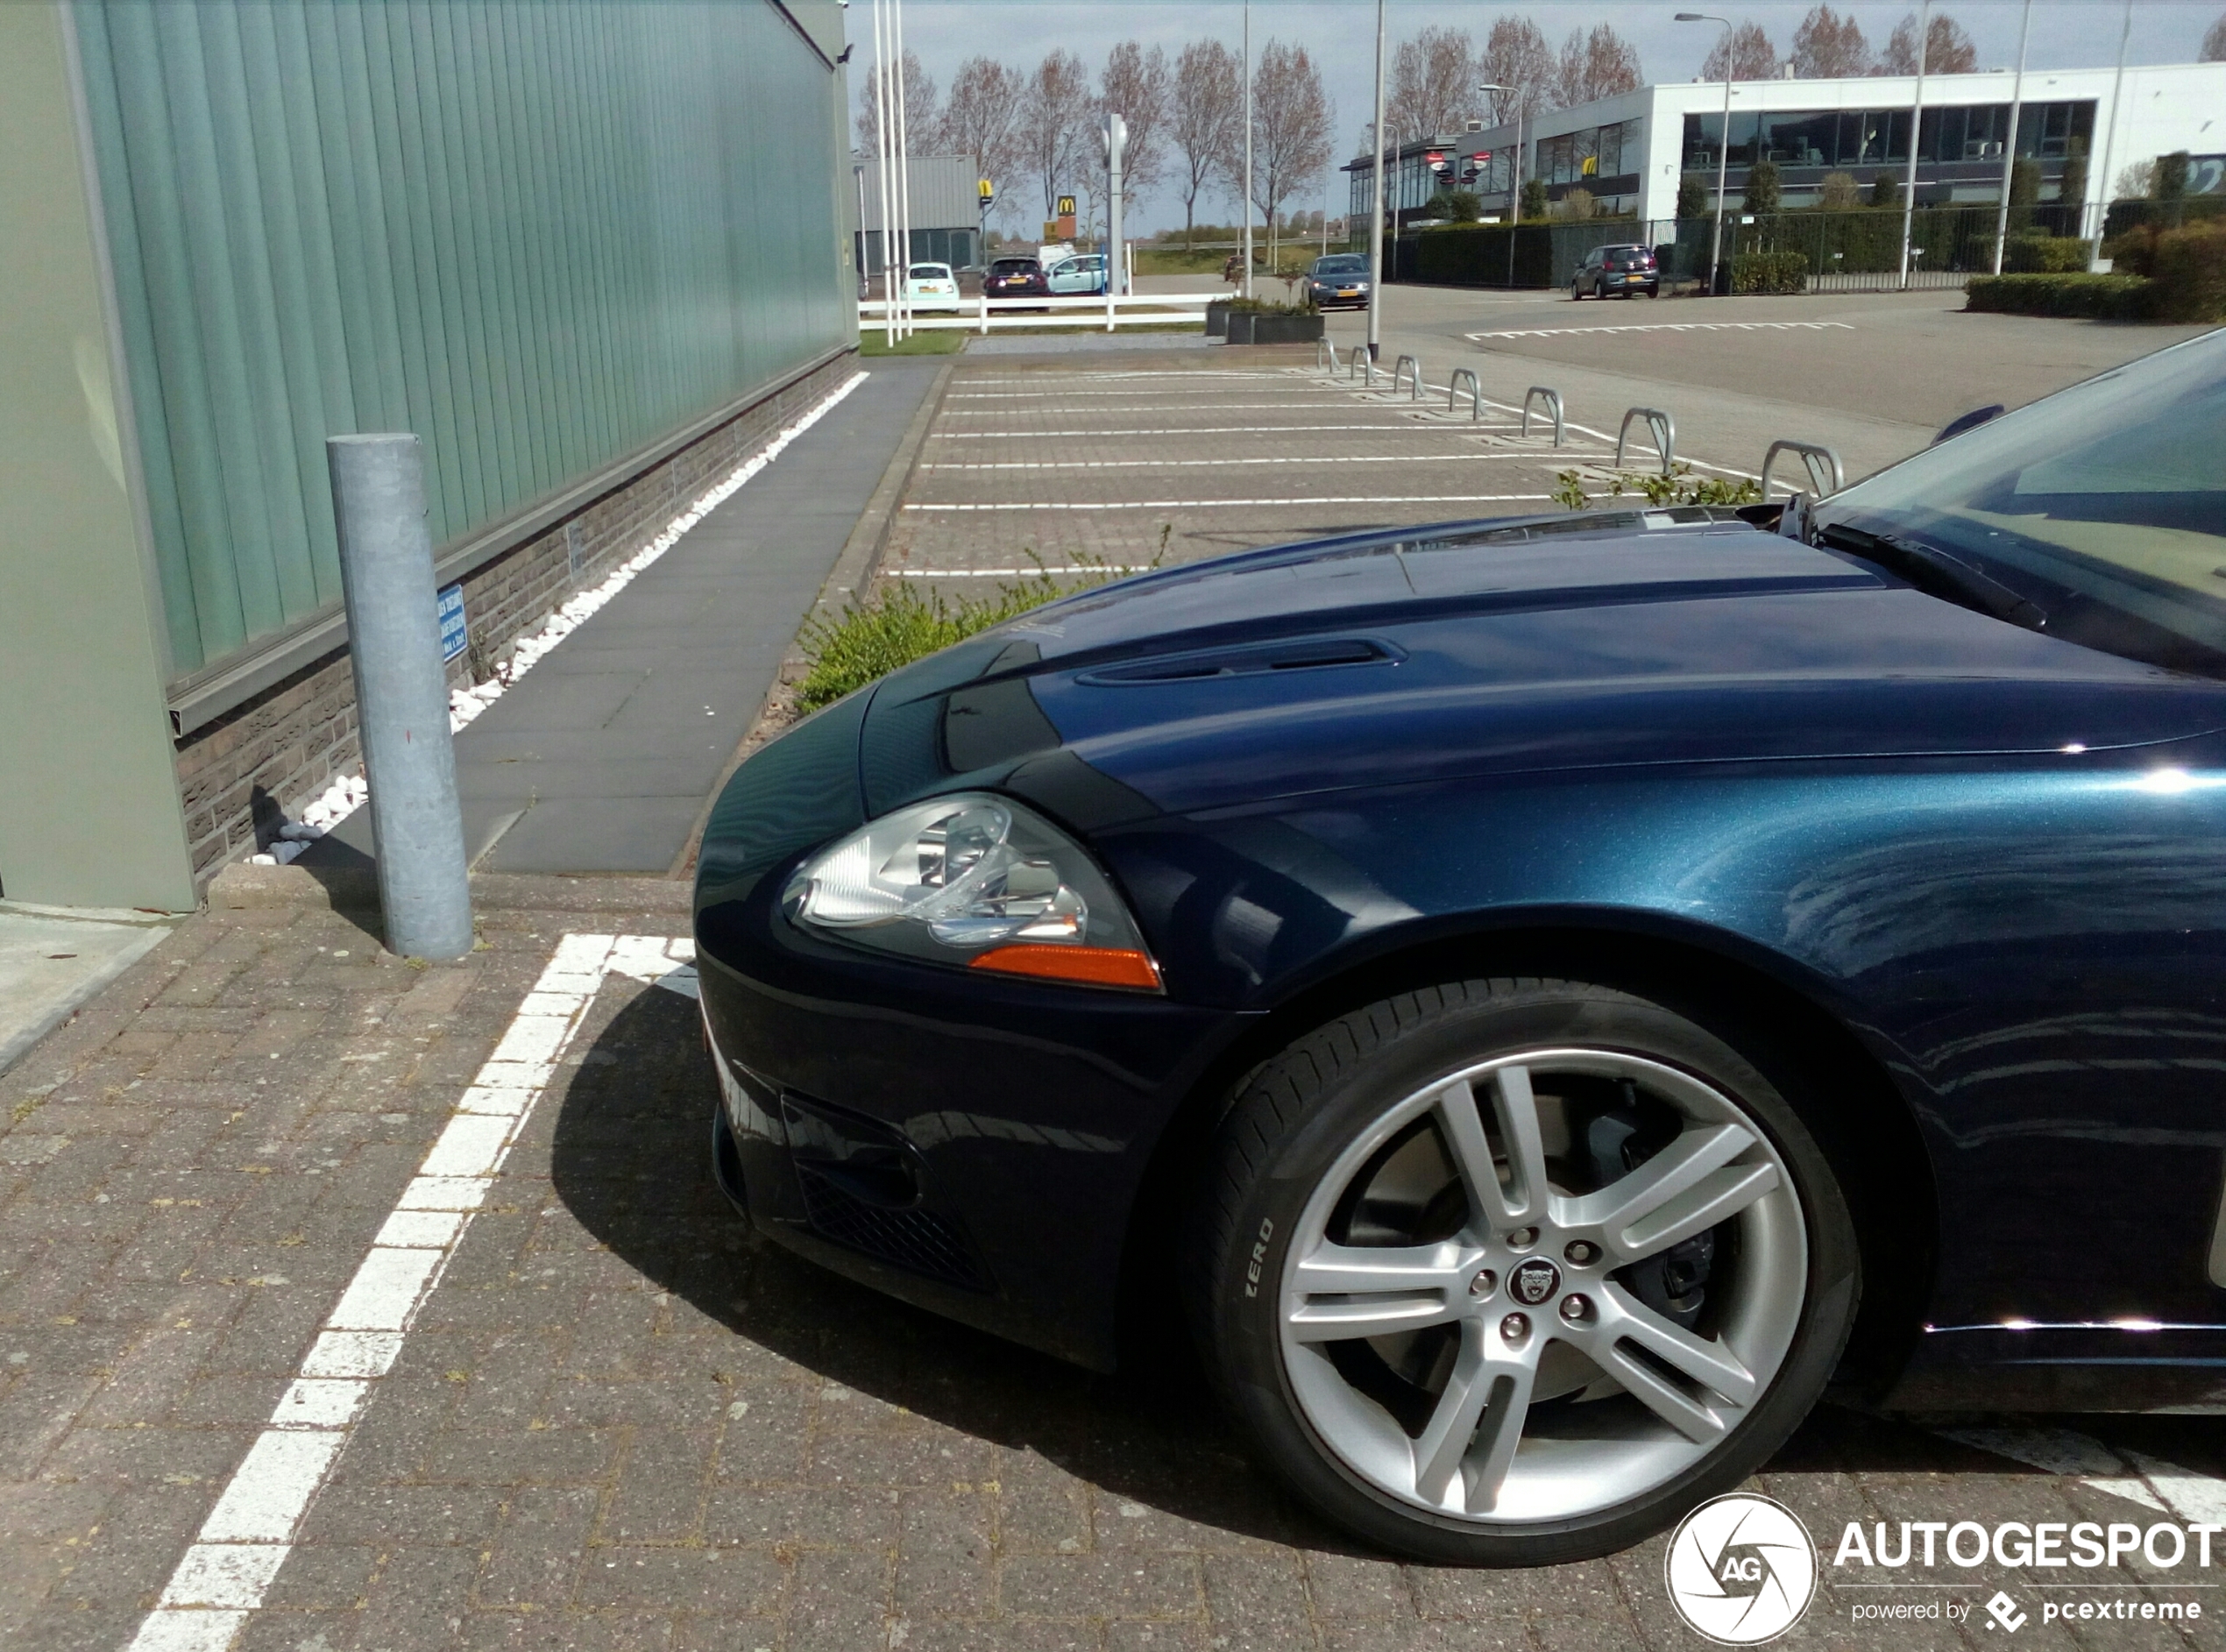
x=2010 y=143
x=1375 y=206
x=1723 y=142
x=2109 y=144
x=1916 y=132
x=1246 y=290
x=1514 y=180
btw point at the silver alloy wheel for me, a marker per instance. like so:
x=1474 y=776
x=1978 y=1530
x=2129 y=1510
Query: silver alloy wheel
x=1554 y=1390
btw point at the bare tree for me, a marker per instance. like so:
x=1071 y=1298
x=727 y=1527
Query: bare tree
x=1052 y=133
x=1291 y=126
x=1829 y=47
x=922 y=120
x=1205 y=121
x=1595 y=64
x=2214 y=42
x=1948 y=49
x=1515 y=54
x=1433 y=85
x=1134 y=85
x=1747 y=52
x=978 y=121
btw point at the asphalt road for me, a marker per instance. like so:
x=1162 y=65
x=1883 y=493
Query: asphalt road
x=1872 y=375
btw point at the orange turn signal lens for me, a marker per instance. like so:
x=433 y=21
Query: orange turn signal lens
x=1091 y=966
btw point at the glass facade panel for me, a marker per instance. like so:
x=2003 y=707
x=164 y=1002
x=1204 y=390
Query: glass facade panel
x=1874 y=138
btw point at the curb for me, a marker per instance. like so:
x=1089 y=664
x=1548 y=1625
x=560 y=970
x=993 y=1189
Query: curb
x=240 y=887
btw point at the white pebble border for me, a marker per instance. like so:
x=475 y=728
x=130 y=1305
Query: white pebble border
x=344 y=796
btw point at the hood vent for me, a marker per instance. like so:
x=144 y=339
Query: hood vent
x=1296 y=654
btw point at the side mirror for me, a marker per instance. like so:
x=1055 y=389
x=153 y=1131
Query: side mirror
x=1970 y=421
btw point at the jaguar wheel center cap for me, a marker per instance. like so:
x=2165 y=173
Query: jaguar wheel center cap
x=1533 y=1281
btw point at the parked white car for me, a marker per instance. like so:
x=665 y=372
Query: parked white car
x=931 y=286
x=1082 y=274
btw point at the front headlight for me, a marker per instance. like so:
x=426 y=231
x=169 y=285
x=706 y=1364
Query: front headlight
x=976 y=880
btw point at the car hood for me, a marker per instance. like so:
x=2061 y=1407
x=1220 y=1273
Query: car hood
x=1641 y=637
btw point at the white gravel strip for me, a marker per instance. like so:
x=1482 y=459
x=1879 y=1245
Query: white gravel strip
x=344 y=796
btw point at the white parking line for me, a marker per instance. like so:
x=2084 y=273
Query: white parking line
x=1062 y=394
x=246 y=1538
x=2149 y=1481
x=1217 y=372
x=1255 y=504
x=1012 y=573
x=1205 y=429
x=1226 y=407
x=1662 y=327
x=1279 y=458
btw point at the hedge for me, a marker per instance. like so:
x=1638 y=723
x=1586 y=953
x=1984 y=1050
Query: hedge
x=1476 y=255
x=2174 y=275
x=2097 y=297
x=1785 y=270
x=2046 y=254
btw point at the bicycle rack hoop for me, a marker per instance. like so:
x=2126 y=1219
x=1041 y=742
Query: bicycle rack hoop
x=1553 y=404
x=1659 y=426
x=1821 y=463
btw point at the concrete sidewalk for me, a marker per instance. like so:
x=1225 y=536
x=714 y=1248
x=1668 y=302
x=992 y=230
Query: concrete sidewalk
x=602 y=758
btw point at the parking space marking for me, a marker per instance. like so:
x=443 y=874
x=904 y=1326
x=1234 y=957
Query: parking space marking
x=2152 y=1482
x=1302 y=502
x=1664 y=327
x=1203 y=429
x=228 y=1570
x=1226 y=407
x=1281 y=458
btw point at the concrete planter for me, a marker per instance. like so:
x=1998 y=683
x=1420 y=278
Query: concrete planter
x=1236 y=326
x=1217 y=318
x=1284 y=330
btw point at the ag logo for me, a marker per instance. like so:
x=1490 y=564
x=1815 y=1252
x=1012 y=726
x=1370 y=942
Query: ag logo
x=1741 y=1569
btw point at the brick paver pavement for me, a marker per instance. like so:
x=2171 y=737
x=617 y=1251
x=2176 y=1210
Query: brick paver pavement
x=620 y=1418
x=1127 y=459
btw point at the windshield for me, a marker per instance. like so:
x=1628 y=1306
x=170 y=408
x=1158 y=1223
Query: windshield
x=929 y=273
x=1013 y=266
x=1348 y=265
x=2104 y=504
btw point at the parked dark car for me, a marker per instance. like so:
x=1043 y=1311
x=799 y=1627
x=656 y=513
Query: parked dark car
x=1620 y=270
x=1016 y=278
x=1338 y=281
x=1542 y=996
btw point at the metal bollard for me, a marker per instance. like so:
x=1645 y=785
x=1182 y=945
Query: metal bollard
x=1476 y=393
x=1399 y=371
x=402 y=693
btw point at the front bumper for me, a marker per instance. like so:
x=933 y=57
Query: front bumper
x=974 y=1145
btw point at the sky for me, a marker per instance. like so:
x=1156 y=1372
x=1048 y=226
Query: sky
x=1339 y=34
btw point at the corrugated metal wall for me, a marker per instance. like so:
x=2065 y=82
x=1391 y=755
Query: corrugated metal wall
x=541 y=235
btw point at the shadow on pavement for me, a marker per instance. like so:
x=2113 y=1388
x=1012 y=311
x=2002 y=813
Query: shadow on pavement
x=631 y=1159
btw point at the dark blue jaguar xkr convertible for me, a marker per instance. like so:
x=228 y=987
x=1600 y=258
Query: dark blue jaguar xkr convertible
x=1545 y=998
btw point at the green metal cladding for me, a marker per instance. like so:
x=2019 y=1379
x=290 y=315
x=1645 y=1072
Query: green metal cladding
x=541 y=233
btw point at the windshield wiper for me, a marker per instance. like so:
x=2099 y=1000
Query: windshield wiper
x=1938 y=574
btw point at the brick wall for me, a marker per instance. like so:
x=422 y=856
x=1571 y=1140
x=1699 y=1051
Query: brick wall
x=263 y=760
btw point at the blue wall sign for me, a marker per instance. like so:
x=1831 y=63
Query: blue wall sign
x=454 y=634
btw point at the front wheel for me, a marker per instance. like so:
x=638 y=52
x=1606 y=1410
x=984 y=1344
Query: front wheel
x=1515 y=1272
